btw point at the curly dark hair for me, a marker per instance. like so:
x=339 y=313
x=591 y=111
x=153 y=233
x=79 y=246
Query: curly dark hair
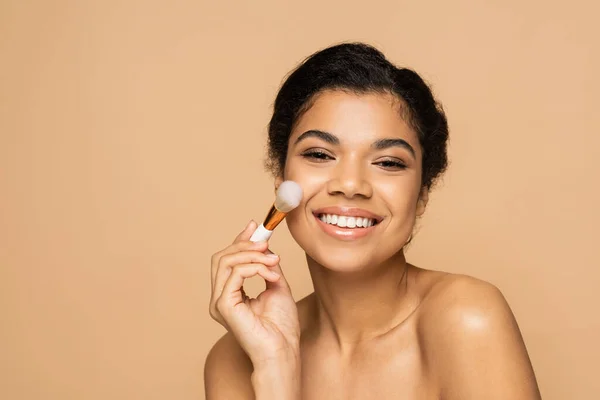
x=359 y=68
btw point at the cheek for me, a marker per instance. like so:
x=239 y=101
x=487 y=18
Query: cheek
x=293 y=221
x=400 y=196
x=298 y=225
x=309 y=178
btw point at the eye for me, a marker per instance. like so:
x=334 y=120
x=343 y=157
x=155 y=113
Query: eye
x=391 y=164
x=317 y=155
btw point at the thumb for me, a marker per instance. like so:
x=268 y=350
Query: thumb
x=246 y=234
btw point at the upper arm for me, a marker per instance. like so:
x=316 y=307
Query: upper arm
x=474 y=344
x=227 y=371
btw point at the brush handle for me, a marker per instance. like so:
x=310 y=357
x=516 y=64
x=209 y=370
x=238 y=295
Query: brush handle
x=261 y=234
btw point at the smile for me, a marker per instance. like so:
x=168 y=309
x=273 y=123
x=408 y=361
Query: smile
x=345 y=223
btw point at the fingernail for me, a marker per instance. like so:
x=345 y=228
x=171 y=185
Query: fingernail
x=272 y=255
x=248 y=224
x=259 y=244
x=274 y=274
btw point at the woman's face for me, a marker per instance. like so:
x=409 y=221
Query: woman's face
x=359 y=165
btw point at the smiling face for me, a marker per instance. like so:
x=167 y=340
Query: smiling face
x=359 y=165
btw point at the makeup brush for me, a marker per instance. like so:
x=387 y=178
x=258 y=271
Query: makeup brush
x=289 y=195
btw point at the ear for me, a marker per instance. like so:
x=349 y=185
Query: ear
x=422 y=202
x=278 y=181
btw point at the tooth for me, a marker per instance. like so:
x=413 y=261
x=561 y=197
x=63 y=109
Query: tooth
x=323 y=218
x=351 y=222
x=328 y=218
x=359 y=222
x=334 y=219
x=371 y=222
x=341 y=222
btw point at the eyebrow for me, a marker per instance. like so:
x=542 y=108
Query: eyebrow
x=383 y=144
x=324 y=136
x=380 y=144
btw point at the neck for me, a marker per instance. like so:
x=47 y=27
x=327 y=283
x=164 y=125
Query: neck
x=356 y=307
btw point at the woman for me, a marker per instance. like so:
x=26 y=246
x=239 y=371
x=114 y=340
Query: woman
x=366 y=142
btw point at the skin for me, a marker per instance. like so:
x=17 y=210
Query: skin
x=376 y=327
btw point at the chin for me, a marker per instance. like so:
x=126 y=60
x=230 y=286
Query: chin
x=343 y=260
x=341 y=256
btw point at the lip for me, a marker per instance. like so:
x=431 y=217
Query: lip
x=346 y=234
x=348 y=212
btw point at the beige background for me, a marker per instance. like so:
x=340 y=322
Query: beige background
x=131 y=142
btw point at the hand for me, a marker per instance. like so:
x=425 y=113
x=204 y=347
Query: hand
x=267 y=328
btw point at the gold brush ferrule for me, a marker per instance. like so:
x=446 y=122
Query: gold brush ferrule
x=273 y=218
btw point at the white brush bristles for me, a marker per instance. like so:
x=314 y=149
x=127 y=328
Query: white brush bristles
x=289 y=195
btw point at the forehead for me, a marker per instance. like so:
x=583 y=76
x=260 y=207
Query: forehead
x=356 y=118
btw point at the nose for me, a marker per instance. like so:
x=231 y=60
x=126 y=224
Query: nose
x=349 y=179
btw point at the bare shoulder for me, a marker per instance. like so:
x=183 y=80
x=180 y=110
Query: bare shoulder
x=462 y=299
x=472 y=341
x=228 y=371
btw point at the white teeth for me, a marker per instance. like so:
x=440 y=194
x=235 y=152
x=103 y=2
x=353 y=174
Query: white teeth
x=346 y=222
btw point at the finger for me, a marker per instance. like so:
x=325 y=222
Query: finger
x=243 y=236
x=246 y=234
x=229 y=261
x=243 y=257
x=247 y=257
x=232 y=295
x=217 y=258
x=241 y=246
x=281 y=283
x=224 y=276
